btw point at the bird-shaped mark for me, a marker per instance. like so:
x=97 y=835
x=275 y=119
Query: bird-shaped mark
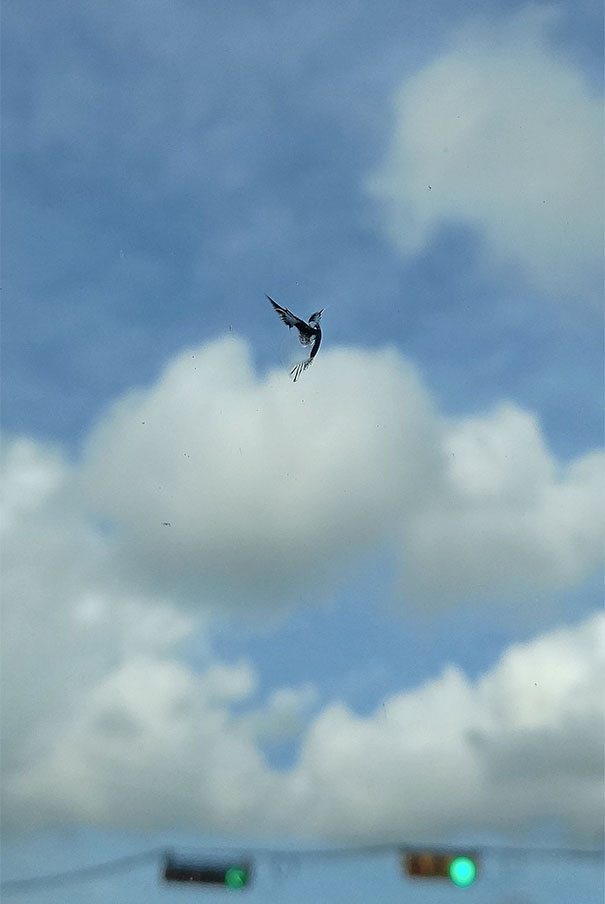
x=308 y=334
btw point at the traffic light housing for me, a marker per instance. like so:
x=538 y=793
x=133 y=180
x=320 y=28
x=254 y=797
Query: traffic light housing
x=233 y=875
x=460 y=869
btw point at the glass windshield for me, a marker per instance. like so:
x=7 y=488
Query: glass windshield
x=302 y=451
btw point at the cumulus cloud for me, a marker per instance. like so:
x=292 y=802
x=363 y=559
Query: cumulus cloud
x=66 y=624
x=509 y=516
x=524 y=739
x=251 y=487
x=106 y=722
x=264 y=484
x=504 y=134
x=284 y=715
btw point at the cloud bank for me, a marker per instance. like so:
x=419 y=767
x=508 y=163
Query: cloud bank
x=525 y=739
x=106 y=721
x=502 y=133
x=246 y=487
x=107 y=724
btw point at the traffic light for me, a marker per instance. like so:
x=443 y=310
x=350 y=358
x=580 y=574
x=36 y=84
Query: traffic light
x=461 y=869
x=232 y=875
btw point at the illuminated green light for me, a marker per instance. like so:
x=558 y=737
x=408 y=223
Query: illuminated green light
x=236 y=877
x=462 y=871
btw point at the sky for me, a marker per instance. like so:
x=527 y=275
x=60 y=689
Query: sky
x=364 y=608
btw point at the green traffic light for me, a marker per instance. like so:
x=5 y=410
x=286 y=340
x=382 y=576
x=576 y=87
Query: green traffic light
x=462 y=871
x=236 y=877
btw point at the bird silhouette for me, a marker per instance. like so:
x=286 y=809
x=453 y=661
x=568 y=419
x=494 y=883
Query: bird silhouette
x=308 y=334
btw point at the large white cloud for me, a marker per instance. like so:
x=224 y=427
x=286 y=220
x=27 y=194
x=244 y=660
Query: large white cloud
x=103 y=721
x=509 y=517
x=106 y=724
x=66 y=624
x=244 y=487
x=503 y=133
x=523 y=743
x=266 y=485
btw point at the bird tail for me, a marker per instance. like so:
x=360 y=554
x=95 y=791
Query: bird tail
x=298 y=369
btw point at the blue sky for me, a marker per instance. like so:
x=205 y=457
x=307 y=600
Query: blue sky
x=356 y=609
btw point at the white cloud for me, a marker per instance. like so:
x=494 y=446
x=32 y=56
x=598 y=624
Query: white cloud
x=105 y=722
x=522 y=744
x=232 y=486
x=284 y=715
x=132 y=737
x=504 y=134
x=66 y=624
x=508 y=518
x=266 y=485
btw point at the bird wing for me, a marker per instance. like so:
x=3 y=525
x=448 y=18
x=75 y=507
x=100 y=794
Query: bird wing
x=306 y=333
